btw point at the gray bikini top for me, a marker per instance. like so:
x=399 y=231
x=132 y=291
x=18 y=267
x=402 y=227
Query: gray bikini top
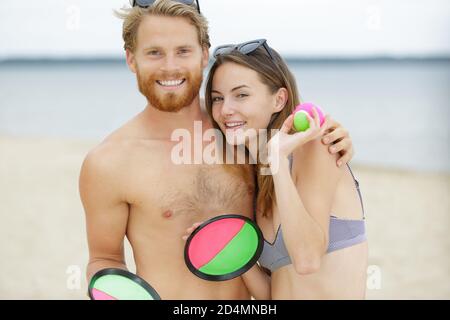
x=343 y=233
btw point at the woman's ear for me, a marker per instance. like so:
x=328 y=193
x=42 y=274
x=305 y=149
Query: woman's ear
x=281 y=98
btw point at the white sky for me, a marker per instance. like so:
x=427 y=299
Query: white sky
x=294 y=27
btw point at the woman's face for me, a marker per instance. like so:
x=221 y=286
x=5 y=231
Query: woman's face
x=241 y=103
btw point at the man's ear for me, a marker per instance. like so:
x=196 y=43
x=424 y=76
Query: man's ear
x=131 y=61
x=205 y=57
x=281 y=98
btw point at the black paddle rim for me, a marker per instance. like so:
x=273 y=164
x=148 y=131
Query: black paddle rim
x=120 y=272
x=231 y=275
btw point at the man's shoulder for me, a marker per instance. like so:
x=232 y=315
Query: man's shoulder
x=110 y=151
x=104 y=158
x=120 y=148
x=117 y=143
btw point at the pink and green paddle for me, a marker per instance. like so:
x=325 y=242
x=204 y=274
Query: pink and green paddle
x=223 y=247
x=118 y=284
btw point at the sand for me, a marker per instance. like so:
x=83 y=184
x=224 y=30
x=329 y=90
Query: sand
x=43 y=245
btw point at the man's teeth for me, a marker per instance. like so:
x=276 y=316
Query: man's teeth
x=171 y=83
x=234 y=124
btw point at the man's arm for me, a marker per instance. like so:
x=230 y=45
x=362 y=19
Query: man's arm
x=257 y=283
x=105 y=209
x=338 y=140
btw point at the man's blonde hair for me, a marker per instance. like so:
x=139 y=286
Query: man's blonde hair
x=132 y=18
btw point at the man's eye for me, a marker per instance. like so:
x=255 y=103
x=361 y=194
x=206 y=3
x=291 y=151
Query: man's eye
x=184 y=51
x=153 y=53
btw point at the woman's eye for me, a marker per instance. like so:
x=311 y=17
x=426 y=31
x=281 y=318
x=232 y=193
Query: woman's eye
x=242 y=95
x=217 y=99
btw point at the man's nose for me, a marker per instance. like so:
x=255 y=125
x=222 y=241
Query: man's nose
x=170 y=64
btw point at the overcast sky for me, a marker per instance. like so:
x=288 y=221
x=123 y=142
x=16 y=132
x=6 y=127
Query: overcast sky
x=87 y=28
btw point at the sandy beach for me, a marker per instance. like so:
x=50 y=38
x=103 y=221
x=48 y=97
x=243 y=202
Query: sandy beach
x=44 y=251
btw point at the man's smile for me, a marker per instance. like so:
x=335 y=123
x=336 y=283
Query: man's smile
x=171 y=84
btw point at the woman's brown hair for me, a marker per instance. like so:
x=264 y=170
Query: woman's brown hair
x=275 y=75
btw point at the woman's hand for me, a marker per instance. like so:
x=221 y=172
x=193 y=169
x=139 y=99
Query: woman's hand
x=283 y=144
x=190 y=230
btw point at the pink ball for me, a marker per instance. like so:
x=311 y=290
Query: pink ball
x=308 y=107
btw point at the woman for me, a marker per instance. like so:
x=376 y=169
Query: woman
x=309 y=211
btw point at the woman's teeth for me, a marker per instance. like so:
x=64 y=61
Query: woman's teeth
x=170 y=83
x=233 y=125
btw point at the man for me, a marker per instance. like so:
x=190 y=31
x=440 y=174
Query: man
x=129 y=185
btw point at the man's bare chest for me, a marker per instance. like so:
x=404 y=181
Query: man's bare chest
x=156 y=185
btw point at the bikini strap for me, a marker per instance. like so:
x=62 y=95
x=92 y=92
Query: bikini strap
x=358 y=189
x=291 y=160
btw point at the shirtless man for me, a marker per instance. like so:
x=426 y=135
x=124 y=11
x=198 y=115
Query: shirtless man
x=129 y=185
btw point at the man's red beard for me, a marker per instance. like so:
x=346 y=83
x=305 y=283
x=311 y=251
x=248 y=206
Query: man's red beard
x=170 y=101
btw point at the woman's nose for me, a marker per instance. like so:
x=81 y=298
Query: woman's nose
x=227 y=108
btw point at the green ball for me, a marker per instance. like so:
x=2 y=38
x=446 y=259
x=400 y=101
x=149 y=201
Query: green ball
x=301 y=122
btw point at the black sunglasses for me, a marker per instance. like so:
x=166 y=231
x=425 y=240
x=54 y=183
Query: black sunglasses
x=245 y=48
x=148 y=3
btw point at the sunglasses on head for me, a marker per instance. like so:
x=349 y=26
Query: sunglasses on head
x=148 y=3
x=245 y=48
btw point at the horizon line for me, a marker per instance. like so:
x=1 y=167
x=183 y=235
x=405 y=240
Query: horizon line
x=288 y=58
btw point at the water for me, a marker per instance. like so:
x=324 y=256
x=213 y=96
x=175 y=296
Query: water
x=397 y=112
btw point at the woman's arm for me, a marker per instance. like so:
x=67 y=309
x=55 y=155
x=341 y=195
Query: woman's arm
x=257 y=283
x=304 y=206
